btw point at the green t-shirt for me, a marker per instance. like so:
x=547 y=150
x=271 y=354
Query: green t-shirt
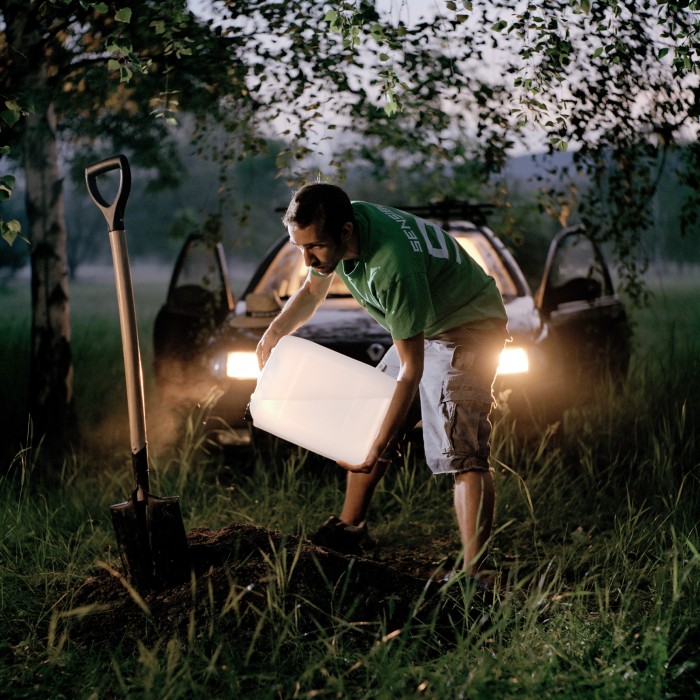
x=411 y=276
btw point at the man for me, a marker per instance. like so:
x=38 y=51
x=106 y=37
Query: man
x=448 y=324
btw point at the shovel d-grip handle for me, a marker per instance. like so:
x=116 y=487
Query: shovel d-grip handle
x=114 y=211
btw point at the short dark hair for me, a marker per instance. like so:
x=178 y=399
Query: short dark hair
x=322 y=204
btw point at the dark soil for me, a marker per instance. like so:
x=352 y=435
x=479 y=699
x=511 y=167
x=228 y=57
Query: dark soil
x=237 y=571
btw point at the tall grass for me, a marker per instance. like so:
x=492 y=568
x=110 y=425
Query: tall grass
x=596 y=549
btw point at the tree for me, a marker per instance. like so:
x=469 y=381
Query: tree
x=614 y=79
x=64 y=90
x=622 y=80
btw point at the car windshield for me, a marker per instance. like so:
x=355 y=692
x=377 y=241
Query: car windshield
x=287 y=272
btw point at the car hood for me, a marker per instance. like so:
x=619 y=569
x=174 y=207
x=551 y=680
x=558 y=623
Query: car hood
x=336 y=319
x=343 y=319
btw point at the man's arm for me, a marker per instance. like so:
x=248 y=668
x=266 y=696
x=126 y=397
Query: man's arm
x=300 y=307
x=411 y=355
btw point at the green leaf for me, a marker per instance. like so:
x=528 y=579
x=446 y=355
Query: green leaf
x=7 y=183
x=376 y=31
x=499 y=26
x=392 y=106
x=123 y=15
x=10 y=117
x=113 y=64
x=102 y=7
x=598 y=52
x=10 y=230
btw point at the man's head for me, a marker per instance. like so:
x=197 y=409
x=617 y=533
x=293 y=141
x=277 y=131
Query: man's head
x=323 y=205
x=320 y=222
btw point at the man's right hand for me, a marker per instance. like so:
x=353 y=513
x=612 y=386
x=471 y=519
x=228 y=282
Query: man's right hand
x=300 y=307
x=266 y=345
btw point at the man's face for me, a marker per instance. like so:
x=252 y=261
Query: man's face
x=320 y=251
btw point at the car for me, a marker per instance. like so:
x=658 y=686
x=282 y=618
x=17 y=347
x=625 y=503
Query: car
x=573 y=329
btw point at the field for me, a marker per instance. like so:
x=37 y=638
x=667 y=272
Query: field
x=596 y=545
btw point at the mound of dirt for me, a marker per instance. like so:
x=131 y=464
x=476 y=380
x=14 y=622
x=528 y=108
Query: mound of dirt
x=242 y=571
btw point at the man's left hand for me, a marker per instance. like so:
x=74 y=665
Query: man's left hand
x=365 y=467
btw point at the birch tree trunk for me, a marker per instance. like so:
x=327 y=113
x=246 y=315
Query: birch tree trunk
x=51 y=368
x=32 y=71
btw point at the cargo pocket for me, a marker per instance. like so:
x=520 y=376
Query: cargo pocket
x=465 y=404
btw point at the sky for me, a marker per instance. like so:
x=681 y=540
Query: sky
x=410 y=10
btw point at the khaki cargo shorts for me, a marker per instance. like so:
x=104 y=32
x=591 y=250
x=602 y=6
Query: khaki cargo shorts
x=456 y=397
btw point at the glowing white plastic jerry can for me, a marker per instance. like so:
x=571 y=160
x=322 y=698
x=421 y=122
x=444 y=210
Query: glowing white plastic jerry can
x=321 y=400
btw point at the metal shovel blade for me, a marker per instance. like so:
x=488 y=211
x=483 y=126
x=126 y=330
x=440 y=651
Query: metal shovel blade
x=152 y=541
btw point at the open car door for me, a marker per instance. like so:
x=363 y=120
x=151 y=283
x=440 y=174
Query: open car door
x=577 y=299
x=199 y=299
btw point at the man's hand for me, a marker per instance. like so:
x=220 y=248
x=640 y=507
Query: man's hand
x=365 y=468
x=266 y=345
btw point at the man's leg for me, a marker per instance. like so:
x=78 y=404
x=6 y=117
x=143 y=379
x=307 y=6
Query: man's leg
x=358 y=494
x=474 y=499
x=360 y=487
x=348 y=534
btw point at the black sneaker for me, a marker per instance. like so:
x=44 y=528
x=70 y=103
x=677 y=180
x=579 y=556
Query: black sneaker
x=346 y=539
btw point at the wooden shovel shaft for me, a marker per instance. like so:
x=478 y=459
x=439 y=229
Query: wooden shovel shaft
x=132 y=356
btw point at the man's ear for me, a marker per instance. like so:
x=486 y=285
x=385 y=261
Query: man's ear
x=346 y=231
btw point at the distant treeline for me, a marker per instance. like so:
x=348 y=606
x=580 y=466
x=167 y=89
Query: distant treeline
x=244 y=199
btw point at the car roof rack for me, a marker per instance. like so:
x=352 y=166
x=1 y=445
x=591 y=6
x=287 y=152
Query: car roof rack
x=448 y=209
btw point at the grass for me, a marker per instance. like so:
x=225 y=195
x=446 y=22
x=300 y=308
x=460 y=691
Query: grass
x=596 y=541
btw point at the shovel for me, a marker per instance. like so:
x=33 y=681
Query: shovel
x=149 y=529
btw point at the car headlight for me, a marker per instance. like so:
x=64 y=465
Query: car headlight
x=242 y=365
x=513 y=361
